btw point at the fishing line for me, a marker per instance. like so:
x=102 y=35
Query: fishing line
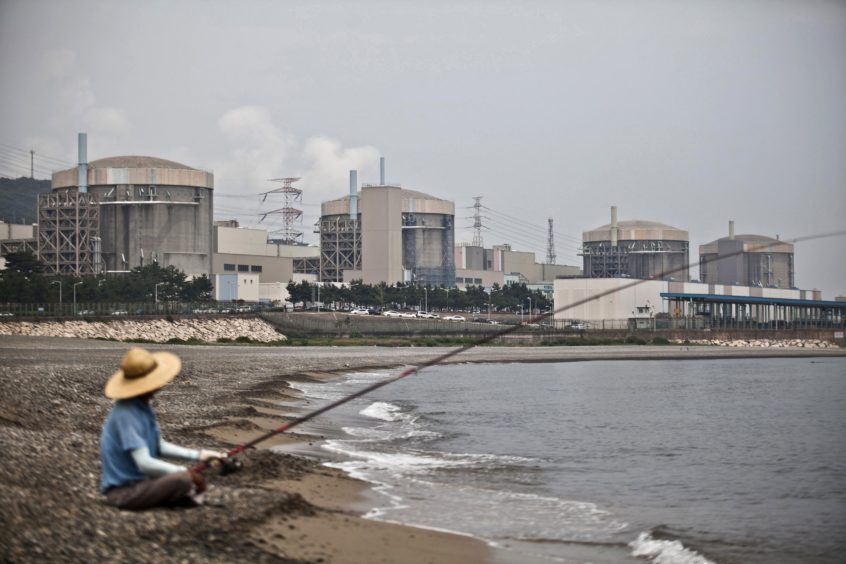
x=484 y=340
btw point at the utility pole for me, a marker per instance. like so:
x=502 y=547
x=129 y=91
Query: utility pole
x=74 y=297
x=550 y=245
x=32 y=163
x=59 y=282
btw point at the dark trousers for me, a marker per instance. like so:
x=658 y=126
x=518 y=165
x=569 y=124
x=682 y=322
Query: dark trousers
x=169 y=489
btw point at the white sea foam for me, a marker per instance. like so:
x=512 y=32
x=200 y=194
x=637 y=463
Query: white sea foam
x=395 y=462
x=337 y=389
x=665 y=551
x=385 y=411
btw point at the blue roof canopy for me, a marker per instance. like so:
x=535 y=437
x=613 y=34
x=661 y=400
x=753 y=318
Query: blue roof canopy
x=751 y=300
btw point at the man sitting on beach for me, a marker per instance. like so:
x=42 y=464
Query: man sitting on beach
x=133 y=476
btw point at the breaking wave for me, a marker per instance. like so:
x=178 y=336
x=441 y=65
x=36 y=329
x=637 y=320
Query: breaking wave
x=660 y=551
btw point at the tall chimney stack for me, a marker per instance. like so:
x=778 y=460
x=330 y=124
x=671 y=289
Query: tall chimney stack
x=353 y=194
x=731 y=229
x=82 y=168
x=381 y=171
x=613 y=226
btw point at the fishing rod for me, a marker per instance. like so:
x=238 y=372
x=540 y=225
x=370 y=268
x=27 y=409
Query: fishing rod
x=478 y=342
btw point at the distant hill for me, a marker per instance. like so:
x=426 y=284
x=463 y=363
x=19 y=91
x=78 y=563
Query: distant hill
x=19 y=199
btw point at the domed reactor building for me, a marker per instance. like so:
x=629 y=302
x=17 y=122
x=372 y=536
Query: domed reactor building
x=747 y=260
x=636 y=249
x=118 y=213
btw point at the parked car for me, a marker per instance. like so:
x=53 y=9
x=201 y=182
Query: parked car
x=359 y=311
x=391 y=313
x=577 y=326
x=408 y=314
x=454 y=318
x=373 y=311
x=86 y=312
x=426 y=315
x=119 y=312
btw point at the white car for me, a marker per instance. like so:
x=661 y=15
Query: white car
x=391 y=313
x=454 y=318
x=426 y=315
x=408 y=315
x=359 y=311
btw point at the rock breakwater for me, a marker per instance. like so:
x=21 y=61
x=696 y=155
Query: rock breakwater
x=154 y=330
x=762 y=343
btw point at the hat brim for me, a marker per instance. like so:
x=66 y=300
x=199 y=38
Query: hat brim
x=119 y=386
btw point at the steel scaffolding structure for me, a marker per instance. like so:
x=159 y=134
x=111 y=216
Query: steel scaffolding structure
x=69 y=233
x=634 y=259
x=10 y=246
x=340 y=247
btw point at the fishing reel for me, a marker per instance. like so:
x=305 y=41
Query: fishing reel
x=226 y=466
x=230 y=466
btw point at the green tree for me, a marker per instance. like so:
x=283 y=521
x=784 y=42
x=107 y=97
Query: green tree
x=197 y=290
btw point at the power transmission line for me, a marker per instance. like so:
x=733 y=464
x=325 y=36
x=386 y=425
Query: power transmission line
x=40 y=155
x=532 y=225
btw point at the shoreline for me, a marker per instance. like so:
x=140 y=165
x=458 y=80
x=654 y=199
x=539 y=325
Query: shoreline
x=281 y=507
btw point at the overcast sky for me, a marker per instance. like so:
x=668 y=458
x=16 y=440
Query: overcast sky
x=687 y=113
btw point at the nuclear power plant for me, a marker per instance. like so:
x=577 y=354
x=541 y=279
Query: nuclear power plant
x=114 y=214
x=635 y=249
x=118 y=213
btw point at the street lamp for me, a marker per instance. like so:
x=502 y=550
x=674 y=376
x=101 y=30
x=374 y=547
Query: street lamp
x=426 y=295
x=74 y=296
x=59 y=282
x=490 y=297
x=530 y=309
x=156 y=295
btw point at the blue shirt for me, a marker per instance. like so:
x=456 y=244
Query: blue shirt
x=130 y=425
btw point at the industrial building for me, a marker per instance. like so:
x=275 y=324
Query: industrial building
x=243 y=257
x=117 y=213
x=611 y=303
x=17 y=238
x=636 y=249
x=750 y=260
x=475 y=265
x=386 y=233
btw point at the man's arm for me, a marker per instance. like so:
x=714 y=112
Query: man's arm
x=153 y=467
x=175 y=451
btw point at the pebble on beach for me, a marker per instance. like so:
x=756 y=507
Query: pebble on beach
x=761 y=343
x=153 y=330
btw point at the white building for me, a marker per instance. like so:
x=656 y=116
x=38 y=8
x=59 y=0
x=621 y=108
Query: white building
x=236 y=286
x=619 y=299
x=615 y=304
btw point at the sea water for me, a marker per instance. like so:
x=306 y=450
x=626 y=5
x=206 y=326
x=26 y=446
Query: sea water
x=609 y=461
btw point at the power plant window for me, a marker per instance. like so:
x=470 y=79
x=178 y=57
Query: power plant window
x=229 y=267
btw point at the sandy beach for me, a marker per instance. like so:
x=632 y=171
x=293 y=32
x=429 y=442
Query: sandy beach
x=280 y=507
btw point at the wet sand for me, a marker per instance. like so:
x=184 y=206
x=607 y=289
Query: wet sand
x=280 y=507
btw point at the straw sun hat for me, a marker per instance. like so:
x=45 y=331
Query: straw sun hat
x=142 y=372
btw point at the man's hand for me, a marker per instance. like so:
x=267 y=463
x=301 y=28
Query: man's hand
x=209 y=455
x=199 y=481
